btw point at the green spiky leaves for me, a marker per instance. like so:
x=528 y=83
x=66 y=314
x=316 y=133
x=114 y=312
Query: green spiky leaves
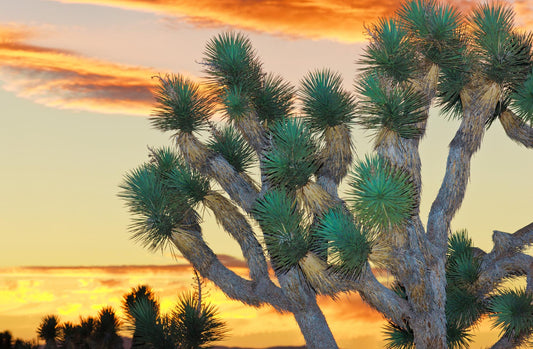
x=292 y=160
x=325 y=102
x=397 y=337
x=181 y=105
x=435 y=30
x=381 y=195
x=385 y=108
x=145 y=197
x=513 y=313
x=464 y=307
x=230 y=61
x=284 y=233
x=230 y=144
x=160 y=194
x=522 y=101
x=389 y=52
x=187 y=183
x=273 y=101
x=505 y=55
x=348 y=244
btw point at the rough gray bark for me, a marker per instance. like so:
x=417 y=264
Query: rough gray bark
x=305 y=309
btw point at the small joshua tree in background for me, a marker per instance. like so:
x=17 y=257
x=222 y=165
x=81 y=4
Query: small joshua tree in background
x=191 y=325
x=477 y=68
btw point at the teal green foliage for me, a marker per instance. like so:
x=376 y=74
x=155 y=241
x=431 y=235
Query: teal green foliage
x=435 y=31
x=273 y=100
x=464 y=307
x=325 y=102
x=181 y=106
x=292 y=159
x=522 y=100
x=189 y=325
x=452 y=81
x=348 y=244
x=156 y=213
x=381 y=196
x=283 y=229
x=512 y=313
x=231 y=145
x=236 y=102
x=149 y=327
x=188 y=184
x=458 y=337
x=505 y=56
x=397 y=337
x=393 y=108
x=231 y=61
x=196 y=327
x=389 y=52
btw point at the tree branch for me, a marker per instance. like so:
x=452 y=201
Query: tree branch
x=231 y=219
x=380 y=297
x=466 y=142
x=215 y=166
x=505 y=259
x=192 y=246
x=516 y=129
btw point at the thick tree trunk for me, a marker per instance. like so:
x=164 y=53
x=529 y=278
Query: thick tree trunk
x=430 y=330
x=314 y=328
x=308 y=315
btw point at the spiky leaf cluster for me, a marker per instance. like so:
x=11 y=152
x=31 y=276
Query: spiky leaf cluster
x=156 y=213
x=196 y=326
x=451 y=82
x=283 y=229
x=386 y=107
x=381 y=195
x=397 y=337
x=107 y=327
x=231 y=145
x=464 y=307
x=273 y=101
x=292 y=159
x=435 y=31
x=149 y=327
x=188 y=184
x=325 y=102
x=389 y=52
x=348 y=244
x=230 y=61
x=505 y=56
x=181 y=105
x=512 y=313
x=49 y=328
x=522 y=101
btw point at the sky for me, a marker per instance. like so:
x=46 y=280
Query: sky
x=75 y=94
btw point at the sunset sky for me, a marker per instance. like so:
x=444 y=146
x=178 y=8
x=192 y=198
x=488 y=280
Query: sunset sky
x=75 y=80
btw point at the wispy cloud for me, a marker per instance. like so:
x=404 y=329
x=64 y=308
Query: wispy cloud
x=339 y=20
x=316 y=19
x=66 y=80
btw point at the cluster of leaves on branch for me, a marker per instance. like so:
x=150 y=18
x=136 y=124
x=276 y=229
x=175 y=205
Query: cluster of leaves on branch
x=281 y=166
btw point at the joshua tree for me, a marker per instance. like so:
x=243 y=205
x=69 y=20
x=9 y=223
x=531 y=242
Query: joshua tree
x=106 y=327
x=477 y=68
x=49 y=331
x=191 y=325
x=144 y=293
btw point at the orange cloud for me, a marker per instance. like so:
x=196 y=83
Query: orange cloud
x=339 y=20
x=65 y=80
x=320 y=19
